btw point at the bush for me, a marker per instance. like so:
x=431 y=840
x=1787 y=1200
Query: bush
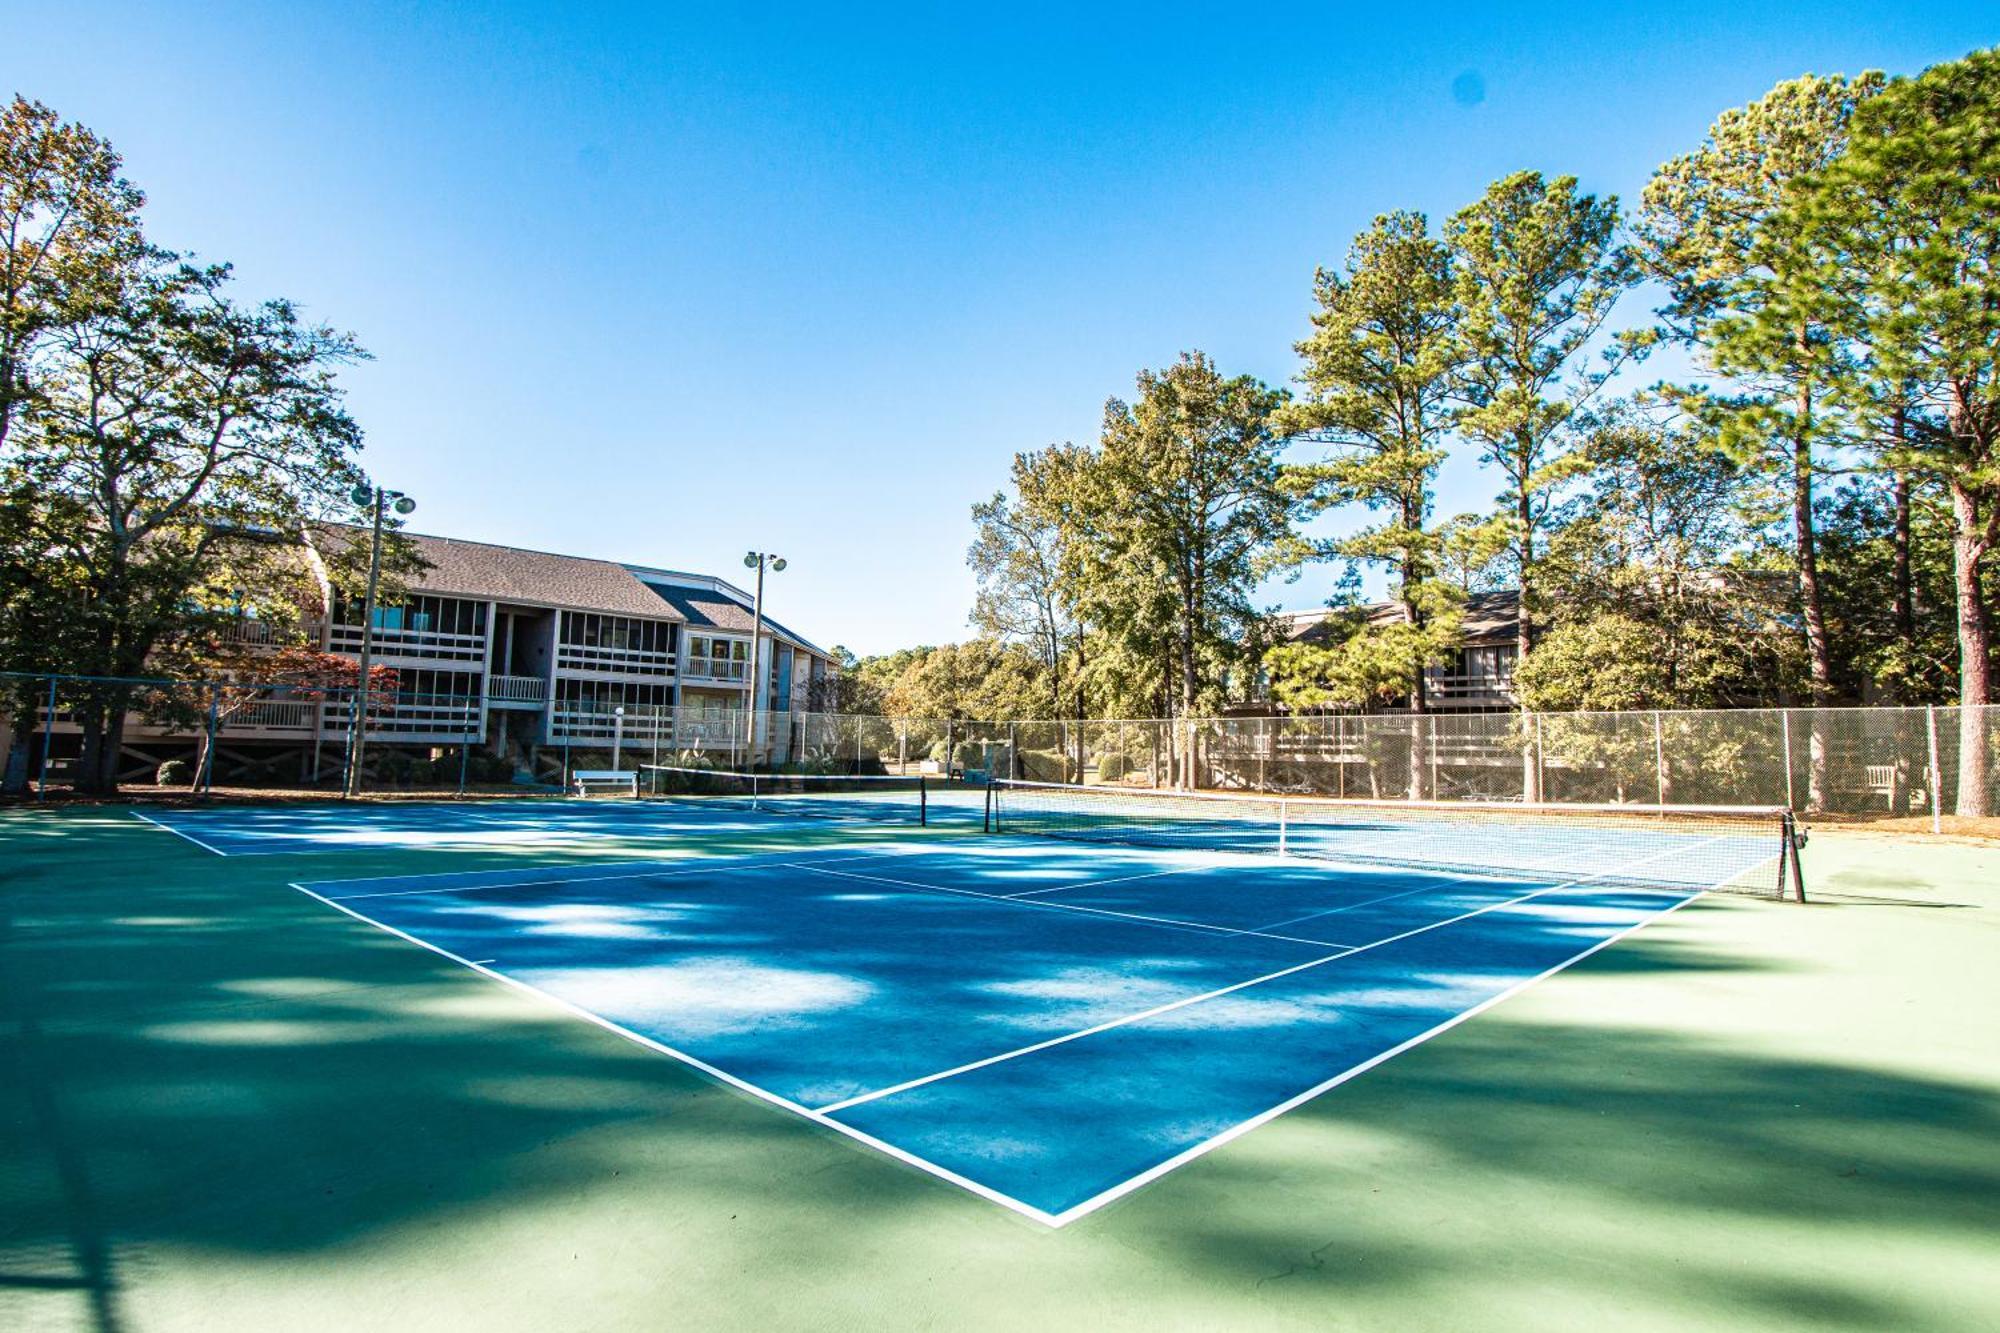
x=1043 y=765
x=395 y=766
x=489 y=769
x=174 y=773
x=1111 y=767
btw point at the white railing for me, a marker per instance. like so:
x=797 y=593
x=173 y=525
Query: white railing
x=594 y=724
x=628 y=661
x=707 y=668
x=429 y=645
x=516 y=689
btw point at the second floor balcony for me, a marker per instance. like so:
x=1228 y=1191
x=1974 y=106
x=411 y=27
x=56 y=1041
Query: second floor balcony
x=418 y=644
x=599 y=659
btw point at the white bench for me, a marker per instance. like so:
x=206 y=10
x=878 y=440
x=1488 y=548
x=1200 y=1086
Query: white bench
x=587 y=780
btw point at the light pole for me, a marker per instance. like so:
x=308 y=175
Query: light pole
x=757 y=560
x=377 y=499
x=617 y=734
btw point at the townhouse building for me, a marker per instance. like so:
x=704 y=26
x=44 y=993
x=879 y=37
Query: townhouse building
x=529 y=657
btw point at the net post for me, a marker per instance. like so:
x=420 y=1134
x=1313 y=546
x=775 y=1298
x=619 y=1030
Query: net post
x=1798 y=871
x=988 y=819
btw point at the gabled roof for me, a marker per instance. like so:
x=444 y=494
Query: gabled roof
x=713 y=603
x=705 y=610
x=534 y=578
x=1489 y=618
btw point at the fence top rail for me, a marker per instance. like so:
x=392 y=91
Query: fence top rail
x=1553 y=808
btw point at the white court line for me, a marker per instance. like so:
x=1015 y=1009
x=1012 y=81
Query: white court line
x=1437 y=883
x=1105 y=1026
x=1152 y=1173
x=645 y=870
x=1164 y=922
x=860 y=1136
x=1115 y=879
x=1178 y=1004
x=179 y=833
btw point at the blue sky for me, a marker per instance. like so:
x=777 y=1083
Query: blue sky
x=659 y=285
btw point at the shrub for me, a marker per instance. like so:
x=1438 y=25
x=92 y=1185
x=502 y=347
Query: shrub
x=174 y=773
x=489 y=769
x=394 y=766
x=1043 y=765
x=1111 y=767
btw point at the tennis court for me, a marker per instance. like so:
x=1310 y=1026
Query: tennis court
x=1051 y=1014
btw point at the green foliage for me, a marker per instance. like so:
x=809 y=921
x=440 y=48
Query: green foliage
x=155 y=430
x=981 y=678
x=1657 y=604
x=1023 y=555
x=1904 y=641
x=1380 y=370
x=1189 y=506
x=174 y=773
x=1722 y=227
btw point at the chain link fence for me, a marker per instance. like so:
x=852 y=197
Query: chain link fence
x=1860 y=762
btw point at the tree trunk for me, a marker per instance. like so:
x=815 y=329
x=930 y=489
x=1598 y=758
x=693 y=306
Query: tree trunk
x=1419 y=760
x=1524 y=641
x=1818 y=653
x=1903 y=612
x=1975 y=653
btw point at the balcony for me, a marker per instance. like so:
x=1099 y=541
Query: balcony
x=1475 y=690
x=715 y=671
x=591 y=659
x=597 y=724
x=516 y=691
x=420 y=645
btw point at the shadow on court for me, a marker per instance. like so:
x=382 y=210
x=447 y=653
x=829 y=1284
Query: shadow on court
x=225 y=1107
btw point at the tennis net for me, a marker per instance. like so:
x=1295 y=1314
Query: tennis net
x=1680 y=849
x=826 y=796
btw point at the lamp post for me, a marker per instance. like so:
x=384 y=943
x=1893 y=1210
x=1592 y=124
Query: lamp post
x=379 y=500
x=757 y=560
x=617 y=734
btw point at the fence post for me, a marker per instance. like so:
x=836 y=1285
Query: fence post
x=1434 y=755
x=1785 y=742
x=1937 y=779
x=464 y=762
x=1659 y=757
x=1541 y=763
x=48 y=734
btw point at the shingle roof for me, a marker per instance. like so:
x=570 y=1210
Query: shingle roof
x=536 y=578
x=703 y=609
x=1489 y=617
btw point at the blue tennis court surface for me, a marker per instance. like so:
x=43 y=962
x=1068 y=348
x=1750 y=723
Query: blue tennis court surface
x=1045 y=1024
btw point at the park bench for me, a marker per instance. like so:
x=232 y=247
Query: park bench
x=588 y=780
